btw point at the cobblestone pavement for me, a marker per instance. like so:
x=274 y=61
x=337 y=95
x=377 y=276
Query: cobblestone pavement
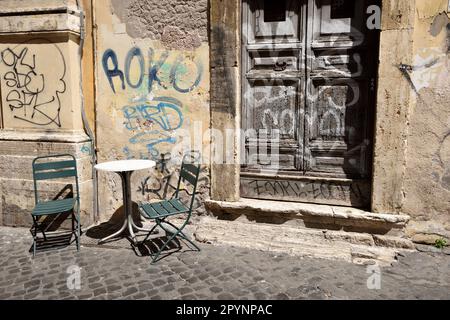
x=214 y=273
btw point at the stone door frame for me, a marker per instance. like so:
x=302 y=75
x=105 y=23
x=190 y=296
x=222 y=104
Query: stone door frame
x=394 y=100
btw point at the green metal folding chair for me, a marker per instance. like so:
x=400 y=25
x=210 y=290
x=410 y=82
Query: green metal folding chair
x=51 y=168
x=160 y=211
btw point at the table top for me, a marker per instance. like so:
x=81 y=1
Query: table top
x=125 y=165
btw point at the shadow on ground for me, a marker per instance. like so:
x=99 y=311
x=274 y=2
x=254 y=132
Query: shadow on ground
x=114 y=224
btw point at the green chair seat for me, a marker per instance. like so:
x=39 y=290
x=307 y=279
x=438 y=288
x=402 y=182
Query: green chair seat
x=53 y=207
x=163 y=209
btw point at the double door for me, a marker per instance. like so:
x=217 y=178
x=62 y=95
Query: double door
x=308 y=93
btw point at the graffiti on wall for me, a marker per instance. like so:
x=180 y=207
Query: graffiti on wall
x=33 y=85
x=165 y=185
x=156 y=72
x=155 y=123
x=151 y=121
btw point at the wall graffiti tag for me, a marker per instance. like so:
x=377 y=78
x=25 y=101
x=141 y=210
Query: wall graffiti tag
x=153 y=123
x=166 y=185
x=156 y=122
x=314 y=191
x=157 y=70
x=33 y=89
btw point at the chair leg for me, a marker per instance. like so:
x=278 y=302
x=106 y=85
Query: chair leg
x=38 y=228
x=78 y=231
x=155 y=259
x=150 y=233
x=185 y=237
x=34 y=230
x=178 y=232
x=191 y=242
x=79 y=238
x=72 y=217
x=160 y=222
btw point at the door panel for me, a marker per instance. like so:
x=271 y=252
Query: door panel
x=274 y=104
x=339 y=106
x=275 y=64
x=337 y=19
x=274 y=21
x=273 y=84
x=337 y=63
x=308 y=80
x=336 y=132
x=272 y=112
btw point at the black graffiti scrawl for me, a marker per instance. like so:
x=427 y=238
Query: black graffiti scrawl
x=34 y=83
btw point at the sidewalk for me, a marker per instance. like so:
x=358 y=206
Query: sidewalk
x=214 y=273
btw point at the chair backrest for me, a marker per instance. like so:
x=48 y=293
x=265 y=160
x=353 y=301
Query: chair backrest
x=51 y=168
x=190 y=173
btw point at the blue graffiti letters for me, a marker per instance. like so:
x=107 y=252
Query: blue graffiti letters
x=134 y=53
x=154 y=69
x=156 y=122
x=158 y=69
x=167 y=116
x=114 y=72
x=174 y=72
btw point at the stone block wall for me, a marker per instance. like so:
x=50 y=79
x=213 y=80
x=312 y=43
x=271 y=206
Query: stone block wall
x=427 y=168
x=16 y=182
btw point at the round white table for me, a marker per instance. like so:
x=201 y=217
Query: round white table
x=125 y=168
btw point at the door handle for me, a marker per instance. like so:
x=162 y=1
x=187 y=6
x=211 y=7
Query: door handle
x=280 y=66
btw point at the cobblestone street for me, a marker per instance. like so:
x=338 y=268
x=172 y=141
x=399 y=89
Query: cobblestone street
x=213 y=273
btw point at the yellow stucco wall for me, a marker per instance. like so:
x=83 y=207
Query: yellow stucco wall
x=148 y=107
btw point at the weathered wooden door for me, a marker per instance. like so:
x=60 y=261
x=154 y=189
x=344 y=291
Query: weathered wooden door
x=308 y=97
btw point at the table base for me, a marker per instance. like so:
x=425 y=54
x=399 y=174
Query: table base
x=127 y=205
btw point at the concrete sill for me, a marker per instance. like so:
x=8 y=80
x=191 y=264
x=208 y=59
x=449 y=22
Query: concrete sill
x=44 y=136
x=307 y=211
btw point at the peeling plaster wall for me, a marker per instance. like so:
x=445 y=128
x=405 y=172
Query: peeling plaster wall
x=427 y=178
x=152 y=93
x=178 y=24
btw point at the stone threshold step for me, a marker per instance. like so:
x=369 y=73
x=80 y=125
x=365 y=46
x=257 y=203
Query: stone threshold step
x=344 y=216
x=352 y=247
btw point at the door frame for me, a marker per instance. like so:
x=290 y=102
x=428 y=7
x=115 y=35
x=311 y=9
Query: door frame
x=395 y=46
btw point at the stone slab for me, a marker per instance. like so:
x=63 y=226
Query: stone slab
x=343 y=215
x=334 y=245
